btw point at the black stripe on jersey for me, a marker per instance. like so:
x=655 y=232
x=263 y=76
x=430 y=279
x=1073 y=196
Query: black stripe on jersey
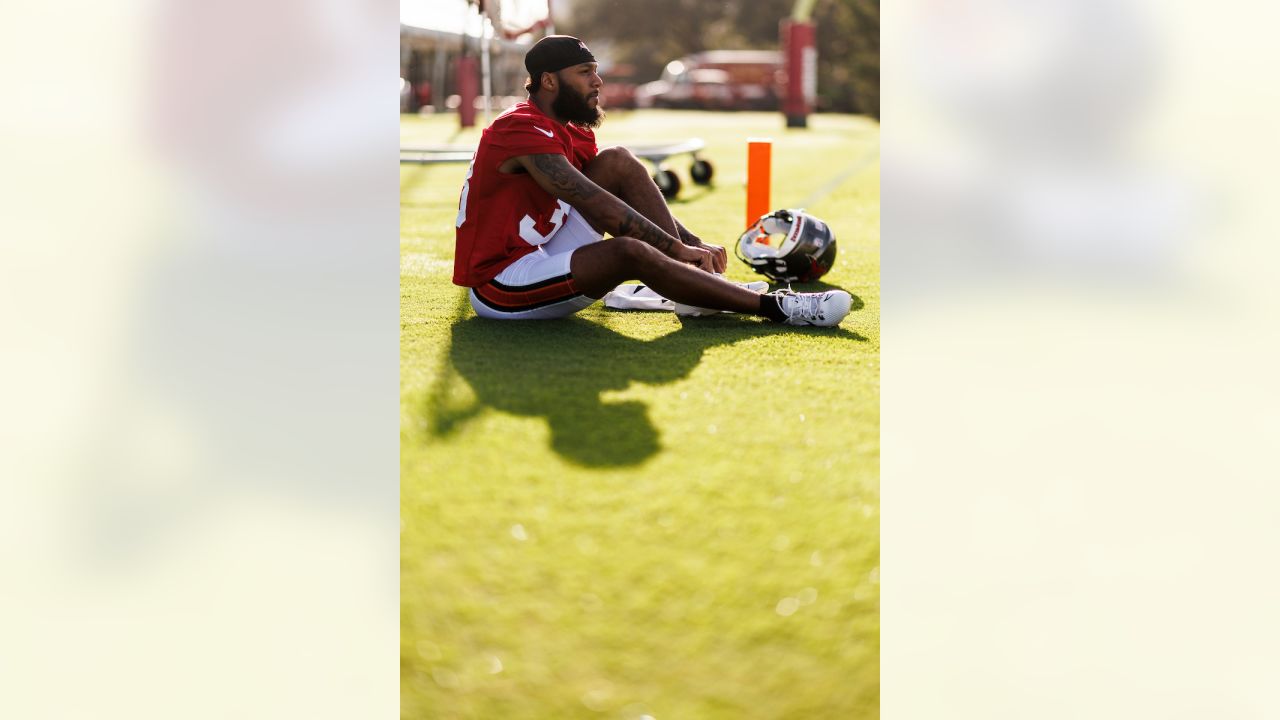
x=522 y=308
x=535 y=286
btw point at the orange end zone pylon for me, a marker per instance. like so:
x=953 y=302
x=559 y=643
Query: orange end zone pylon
x=759 y=177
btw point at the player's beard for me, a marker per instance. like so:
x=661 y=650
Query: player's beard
x=573 y=107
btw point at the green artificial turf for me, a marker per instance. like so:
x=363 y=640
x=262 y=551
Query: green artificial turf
x=629 y=514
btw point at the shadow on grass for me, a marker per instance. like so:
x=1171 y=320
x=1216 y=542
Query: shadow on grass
x=558 y=370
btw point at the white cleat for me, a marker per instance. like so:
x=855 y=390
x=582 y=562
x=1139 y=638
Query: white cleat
x=824 y=309
x=757 y=286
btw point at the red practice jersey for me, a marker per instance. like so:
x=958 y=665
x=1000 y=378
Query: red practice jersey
x=503 y=217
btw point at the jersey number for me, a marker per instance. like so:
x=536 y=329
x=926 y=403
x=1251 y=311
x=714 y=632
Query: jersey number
x=466 y=188
x=530 y=234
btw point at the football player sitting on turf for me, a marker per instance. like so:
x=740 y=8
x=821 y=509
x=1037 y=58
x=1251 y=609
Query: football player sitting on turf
x=539 y=195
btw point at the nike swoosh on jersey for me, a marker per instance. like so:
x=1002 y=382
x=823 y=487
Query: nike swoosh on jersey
x=548 y=133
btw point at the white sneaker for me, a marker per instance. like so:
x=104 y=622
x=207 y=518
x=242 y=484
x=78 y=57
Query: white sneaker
x=756 y=286
x=824 y=309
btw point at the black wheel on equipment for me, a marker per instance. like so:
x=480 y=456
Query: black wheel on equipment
x=701 y=171
x=668 y=183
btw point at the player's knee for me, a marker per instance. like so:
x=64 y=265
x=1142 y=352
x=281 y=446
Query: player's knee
x=616 y=154
x=619 y=158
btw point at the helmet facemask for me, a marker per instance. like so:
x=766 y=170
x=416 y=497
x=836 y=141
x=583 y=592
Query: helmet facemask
x=788 y=246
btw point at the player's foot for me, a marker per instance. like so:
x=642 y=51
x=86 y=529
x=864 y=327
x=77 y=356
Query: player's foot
x=758 y=286
x=824 y=309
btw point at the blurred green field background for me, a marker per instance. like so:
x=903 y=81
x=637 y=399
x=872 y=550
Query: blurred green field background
x=624 y=515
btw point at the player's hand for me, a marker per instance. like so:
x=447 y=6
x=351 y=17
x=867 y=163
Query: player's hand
x=718 y=254
x=722 y=258
x=699 y=257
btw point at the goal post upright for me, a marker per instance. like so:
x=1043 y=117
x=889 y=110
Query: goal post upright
x=800 y=55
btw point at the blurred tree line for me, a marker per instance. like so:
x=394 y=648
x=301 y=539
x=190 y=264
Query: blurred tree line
x=650 y=33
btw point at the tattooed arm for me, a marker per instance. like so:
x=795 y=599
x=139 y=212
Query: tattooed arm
x=555 y=175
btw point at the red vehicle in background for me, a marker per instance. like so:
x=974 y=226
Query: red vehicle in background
x=718 y=80
x=619 y=87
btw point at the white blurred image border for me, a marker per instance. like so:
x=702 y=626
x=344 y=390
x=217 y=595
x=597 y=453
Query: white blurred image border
x=1079 y=350
x=200 y=443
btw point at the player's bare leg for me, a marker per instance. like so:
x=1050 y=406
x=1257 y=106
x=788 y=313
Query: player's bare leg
x=620 y=172
x=599 y=267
